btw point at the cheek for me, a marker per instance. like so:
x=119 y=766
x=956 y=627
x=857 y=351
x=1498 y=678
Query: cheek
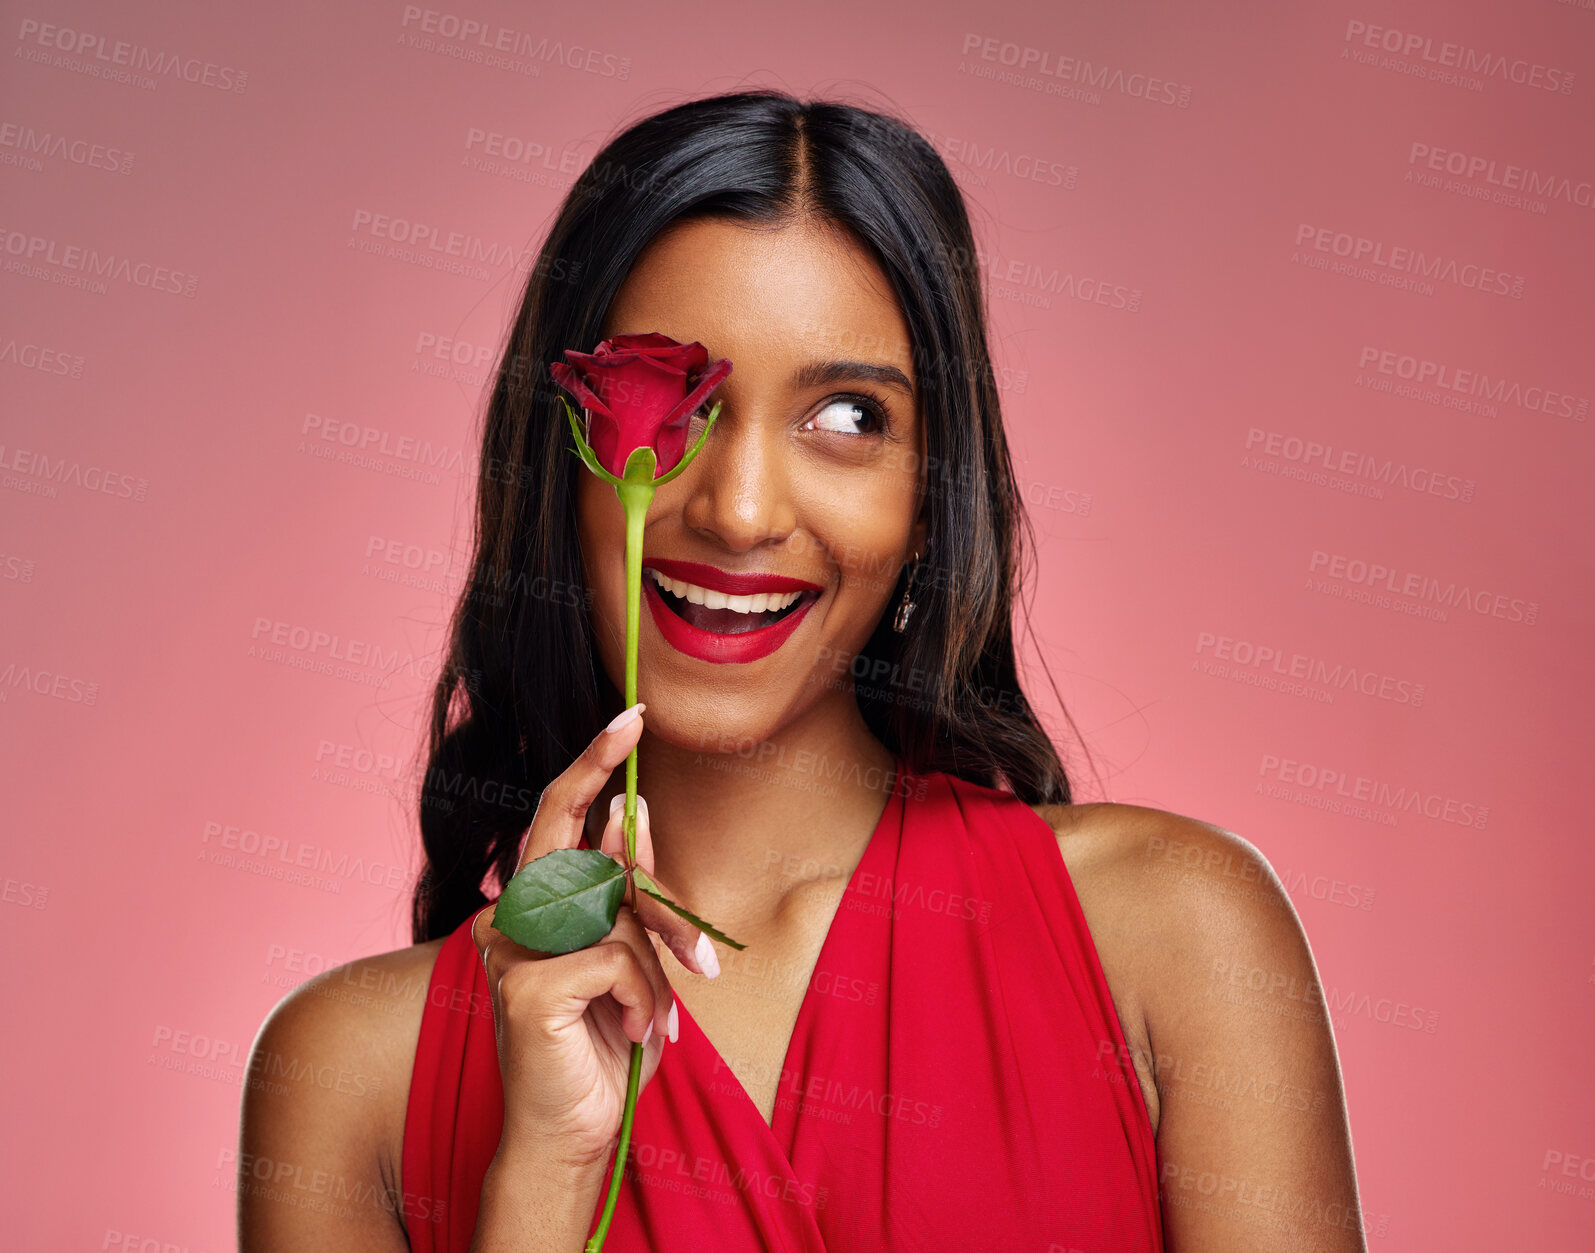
x=866 y=531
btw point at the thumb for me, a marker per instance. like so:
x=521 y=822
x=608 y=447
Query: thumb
x=614 y=841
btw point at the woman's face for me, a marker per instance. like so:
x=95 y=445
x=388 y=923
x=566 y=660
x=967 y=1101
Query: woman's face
x=812 y=472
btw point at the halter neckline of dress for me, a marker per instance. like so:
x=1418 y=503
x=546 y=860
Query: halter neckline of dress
x=879 y=851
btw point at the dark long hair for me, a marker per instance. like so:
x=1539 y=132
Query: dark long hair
x=520 y=693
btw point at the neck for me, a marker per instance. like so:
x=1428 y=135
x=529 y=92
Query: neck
x=736 y=832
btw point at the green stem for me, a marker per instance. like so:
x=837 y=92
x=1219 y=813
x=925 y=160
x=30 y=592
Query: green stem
x=595 y=1242
x=634 y=498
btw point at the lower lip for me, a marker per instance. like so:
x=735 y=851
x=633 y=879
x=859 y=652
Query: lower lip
x=712 y=646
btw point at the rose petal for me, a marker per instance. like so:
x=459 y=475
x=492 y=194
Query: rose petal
x=632 y=386
x=571 y=380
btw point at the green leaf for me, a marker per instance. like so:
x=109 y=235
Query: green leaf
x=645 y=884
x=582 y=450
x=640 y=463
x=562 y=901
x=690 y=454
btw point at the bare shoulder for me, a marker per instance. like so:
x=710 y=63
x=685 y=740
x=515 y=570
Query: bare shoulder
x=1115 y=856
x=1216 y=980
x=1144 y=880
x=1170 y=899
x=1101 y=832
x=323 y=1111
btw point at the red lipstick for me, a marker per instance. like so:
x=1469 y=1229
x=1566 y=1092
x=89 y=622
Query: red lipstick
x=718 y=580
x=713 y=646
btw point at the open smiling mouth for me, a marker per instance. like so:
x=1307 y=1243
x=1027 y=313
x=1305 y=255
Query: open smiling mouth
x=723 y=614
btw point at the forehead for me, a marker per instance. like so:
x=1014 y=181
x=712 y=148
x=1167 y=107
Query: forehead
x=766 y=295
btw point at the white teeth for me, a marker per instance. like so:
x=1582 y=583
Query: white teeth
x=764 y=602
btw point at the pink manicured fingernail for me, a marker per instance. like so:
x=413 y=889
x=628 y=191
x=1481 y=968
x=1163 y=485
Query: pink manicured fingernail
x=708 y=960
x=625 y=717
x=616 y=803
x=674 y=1026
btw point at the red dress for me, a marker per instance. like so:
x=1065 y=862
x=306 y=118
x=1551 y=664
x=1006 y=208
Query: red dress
x=957 y=1078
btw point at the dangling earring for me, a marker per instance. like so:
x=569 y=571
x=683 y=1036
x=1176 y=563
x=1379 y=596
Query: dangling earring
x=906 y=606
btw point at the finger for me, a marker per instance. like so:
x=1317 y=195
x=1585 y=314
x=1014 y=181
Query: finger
x=689 y=944
x=628 y=930
x=497 y=951
x=614 y=837
x=609 y=967
x=636 y=1002
x=562 y=809
x=483 y=933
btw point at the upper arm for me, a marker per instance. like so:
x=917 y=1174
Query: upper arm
x=318 y=1105
x=1254 y=1143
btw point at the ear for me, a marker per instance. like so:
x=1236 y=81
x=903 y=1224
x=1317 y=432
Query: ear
x=916 y=536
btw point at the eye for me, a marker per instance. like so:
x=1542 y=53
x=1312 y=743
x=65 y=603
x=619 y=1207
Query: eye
x=847 y=411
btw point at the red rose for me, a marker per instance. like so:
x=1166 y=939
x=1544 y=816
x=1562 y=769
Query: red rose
x=640 y=391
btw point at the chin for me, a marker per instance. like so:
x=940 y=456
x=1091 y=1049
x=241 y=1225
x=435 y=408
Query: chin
x=703 y=722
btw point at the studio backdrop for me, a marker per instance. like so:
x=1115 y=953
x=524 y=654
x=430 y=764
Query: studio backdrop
x=1292 y=315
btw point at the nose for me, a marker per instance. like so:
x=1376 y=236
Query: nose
x=740 y=493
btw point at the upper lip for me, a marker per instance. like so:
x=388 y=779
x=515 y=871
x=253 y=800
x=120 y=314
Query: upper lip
x=733 y=584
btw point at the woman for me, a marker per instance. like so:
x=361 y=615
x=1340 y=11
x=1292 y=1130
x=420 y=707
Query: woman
x=969 y=1012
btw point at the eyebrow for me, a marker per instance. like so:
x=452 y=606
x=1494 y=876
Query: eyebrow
x=824 y=373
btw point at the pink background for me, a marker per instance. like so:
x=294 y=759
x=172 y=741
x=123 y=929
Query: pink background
x=1171 y=337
